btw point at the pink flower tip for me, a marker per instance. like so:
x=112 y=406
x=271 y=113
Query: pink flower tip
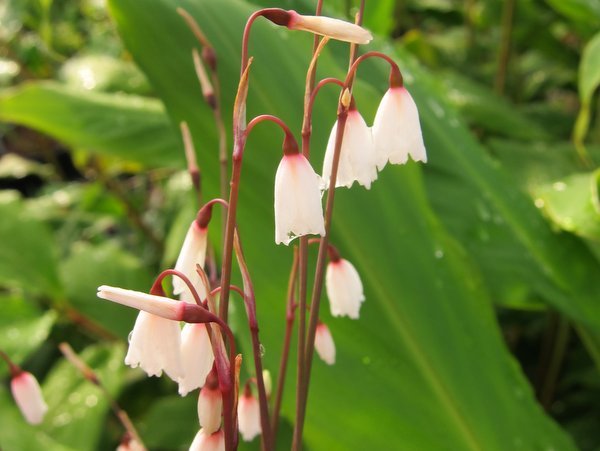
x=28 y=396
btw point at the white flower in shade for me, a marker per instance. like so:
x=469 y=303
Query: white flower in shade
x=208 y=442
x=327 y=26
x=155 y=345
x=357 y=155
x=249 y=416
x=210 y=408
x=192 y=252
x=397 y=130
x=28 y=396
x=196 y=355
x=298 y=209
x=344 y=288
x=324 y=344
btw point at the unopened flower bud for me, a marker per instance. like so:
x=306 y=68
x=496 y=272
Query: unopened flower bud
x=28 y=396
x=324 y=344
x=344 y=288
x=249 y=415
x=210 y=408
x=208 y=442
x=328 y=26
x=192 y=252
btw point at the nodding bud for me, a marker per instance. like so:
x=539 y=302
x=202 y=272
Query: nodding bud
x=333 y=253
x=328 y=26
x=208 y=442
x=290 y=145
x=396 y=79
x=204 y=215
x=207 y=88
x=249 y=415
x=210 y=408
x=278 y=16
x=324 y=344
x=28 y=396
x=210 y=57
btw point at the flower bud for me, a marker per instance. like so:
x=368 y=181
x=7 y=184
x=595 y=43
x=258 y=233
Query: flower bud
x=324 y=344
x=196 y=355
x=210 y=408
x=344 y=288
x=192 y=252
x=208 y=442
x=249 y=415
x=28 y=396
x=328 y=26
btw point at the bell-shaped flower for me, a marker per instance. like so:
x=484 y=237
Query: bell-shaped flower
x=192 y=252
x=298 y=209
x=210 y=408
x=357 y=154
x=196 y=355
x=155 y=346
x=249 y=415
x=397 y=130
x=324 y=344
x=208 y=442
x=28 y=396
x=328 y=26
x=344 y=288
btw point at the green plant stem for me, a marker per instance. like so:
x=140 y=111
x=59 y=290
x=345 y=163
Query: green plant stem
x=508 y=13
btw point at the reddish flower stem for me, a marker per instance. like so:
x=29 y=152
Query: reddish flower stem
x=14 y=369
x=289 y=325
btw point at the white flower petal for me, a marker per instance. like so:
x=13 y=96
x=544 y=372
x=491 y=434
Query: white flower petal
x=344 y=288
x=158 y=305
x=192 y=252
x=154 y=346
x=357 y=155
x=210 y=408
x=196 y=355
x=298 y=209
x=249 y=417
x=397 y=130
x=28 y=396
x=328 y=26
x=208 y=442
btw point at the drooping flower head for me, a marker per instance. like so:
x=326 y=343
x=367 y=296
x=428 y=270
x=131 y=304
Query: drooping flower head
x=249 y=415
x=298 y=209
x=193 y=252
x=344 y=287
x=324 y=344
x=357 y=154
x=28 y=396
x=397 y=130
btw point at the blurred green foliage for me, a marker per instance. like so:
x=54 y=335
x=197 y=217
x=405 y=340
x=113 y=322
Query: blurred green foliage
x=481 y=328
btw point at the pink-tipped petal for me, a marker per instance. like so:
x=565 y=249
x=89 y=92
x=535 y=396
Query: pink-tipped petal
x=324 y=344
x=28 y=396
x=344 y=289
x=208 y=442
x=298 y=209
x=210 y=408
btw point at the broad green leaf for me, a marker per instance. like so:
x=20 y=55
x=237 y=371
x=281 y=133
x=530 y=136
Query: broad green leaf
x=90 y=266
x=16 y=434
x=582 y=13
x=429 y=369
x=77 y=408
x=572 y=204
x=23 y=328
x=130 y=127
x=30 y=262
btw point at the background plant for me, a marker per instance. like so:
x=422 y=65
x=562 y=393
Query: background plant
x=486 y=255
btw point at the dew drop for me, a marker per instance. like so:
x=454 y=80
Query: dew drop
x=439 y=253
x=559 y=186
x=261 y=348
x=91 y=400
x=129 y=337
x=539 y=202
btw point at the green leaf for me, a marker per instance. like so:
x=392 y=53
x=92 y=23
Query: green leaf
x=589 y=69
x=22 y=328
x=90 y=266
x=76 y=407
x=30 y=262
x=428 y=366
x=130 y=127
x=572 y=204
x=583 y=13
